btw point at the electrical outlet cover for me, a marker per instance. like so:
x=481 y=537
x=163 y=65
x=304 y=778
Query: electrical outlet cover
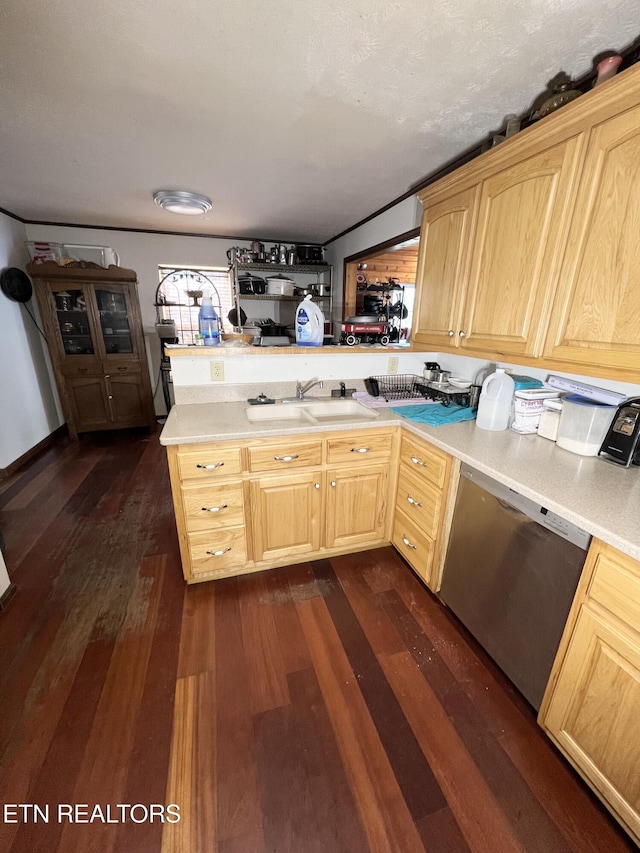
x=217 y=371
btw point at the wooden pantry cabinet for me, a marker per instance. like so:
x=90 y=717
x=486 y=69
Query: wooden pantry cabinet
x=92 y=322
x=591 y=708
x=529 y=252
x=268 y=502
x=423 y=506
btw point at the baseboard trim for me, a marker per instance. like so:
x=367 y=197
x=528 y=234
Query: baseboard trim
x=52 y=438
x=7 y=595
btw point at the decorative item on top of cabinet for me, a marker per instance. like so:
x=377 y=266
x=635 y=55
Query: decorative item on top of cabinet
x=591 y=708
x=93 y=327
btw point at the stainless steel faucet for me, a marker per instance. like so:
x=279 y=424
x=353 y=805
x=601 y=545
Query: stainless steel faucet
x=301 y=389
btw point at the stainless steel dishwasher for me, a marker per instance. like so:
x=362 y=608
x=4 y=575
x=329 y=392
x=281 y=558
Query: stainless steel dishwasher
x=510 y=575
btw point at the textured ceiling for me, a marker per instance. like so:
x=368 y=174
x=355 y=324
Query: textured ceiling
x=297 y=119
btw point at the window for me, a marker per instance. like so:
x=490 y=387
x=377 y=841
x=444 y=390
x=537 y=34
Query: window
x=180 y=292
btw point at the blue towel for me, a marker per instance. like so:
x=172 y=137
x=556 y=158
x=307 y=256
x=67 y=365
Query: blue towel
x=436 y=415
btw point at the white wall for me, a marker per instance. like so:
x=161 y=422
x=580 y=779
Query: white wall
x=29 y=404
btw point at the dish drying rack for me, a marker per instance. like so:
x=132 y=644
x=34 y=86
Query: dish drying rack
x=402 y=386
x=408 y=387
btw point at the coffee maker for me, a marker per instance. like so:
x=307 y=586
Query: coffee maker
x=622 y=442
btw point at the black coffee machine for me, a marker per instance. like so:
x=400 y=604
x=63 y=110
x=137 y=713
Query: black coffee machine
x=622 y=442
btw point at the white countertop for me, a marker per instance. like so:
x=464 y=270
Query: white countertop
x=598 y=496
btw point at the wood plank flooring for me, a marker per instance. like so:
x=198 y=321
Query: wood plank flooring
x=328 y=706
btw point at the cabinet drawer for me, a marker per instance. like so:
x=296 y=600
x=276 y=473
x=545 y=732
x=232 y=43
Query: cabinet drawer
x=616 y=585
x=359 y=447
x=213 y=506
x=115 y=367
x=419 y=500
x=282 y=455
x=218 y=551
x=424 y=458
x=413 y=544
x=81 y=365
x=209 y=461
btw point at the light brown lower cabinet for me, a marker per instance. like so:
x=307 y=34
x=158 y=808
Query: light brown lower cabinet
x=591 y=709
x=423 y=507
x=268 y=502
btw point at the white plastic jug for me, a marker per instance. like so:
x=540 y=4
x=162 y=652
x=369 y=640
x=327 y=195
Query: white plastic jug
x=309 y=324
x=494 y=408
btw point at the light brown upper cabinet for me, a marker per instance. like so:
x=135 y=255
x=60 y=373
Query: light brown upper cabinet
x=443 y=267
x=531 y=251
x=596 y=316
x=490 y=256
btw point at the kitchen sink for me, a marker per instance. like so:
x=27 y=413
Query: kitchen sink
x=313 y=413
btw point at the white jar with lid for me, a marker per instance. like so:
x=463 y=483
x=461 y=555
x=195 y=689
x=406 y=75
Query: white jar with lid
x=550 y=419
x=583 y=425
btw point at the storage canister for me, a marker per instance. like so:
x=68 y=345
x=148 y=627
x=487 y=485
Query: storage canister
x=528 y=408
x=550 y=419
x=583 y=425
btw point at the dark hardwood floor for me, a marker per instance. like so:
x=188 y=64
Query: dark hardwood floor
x=329 y=706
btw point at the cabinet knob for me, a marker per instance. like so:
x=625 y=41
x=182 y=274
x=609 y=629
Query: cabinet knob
x=209 y=467
x=413 y=501
x=107 y=376
x=451 y=333
x=333 y=483
x=285 y=458
x=361 y=449
x=419 y=462
x=409 y=544
x=219 y=553
x=215 y=508
x=316 y=485
x=111 y=396
x=462 y=334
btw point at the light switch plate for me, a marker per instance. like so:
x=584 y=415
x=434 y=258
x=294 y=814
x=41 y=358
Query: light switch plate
x=392 y=364
x=217 y=371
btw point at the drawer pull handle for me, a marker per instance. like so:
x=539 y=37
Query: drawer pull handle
x=408 y=544
x=123 y=368
x=361 y=449
x=413 y=501
x=417 y=461
x=219 y=553
x=215 y=508
x=286 y=458
x=82 y=370
x=210 y=467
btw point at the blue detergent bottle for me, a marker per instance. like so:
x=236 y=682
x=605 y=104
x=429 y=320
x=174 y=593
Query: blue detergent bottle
x=208 y=323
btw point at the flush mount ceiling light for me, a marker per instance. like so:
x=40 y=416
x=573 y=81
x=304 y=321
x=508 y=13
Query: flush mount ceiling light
x=179 y=201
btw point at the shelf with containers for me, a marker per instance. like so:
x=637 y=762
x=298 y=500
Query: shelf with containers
x=316 y=279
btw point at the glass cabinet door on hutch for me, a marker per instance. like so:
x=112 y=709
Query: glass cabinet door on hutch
x=73 y=320
x=113 y=312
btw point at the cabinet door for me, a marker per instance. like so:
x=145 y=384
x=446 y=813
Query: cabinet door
x=596 y=315
x=89 y=402
x=595 y=708
x=126 y=396
x=521 y=228
x=115 y=310
x=357 y=505
x=443 y=268
x=70 y=306
x=286 y=515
